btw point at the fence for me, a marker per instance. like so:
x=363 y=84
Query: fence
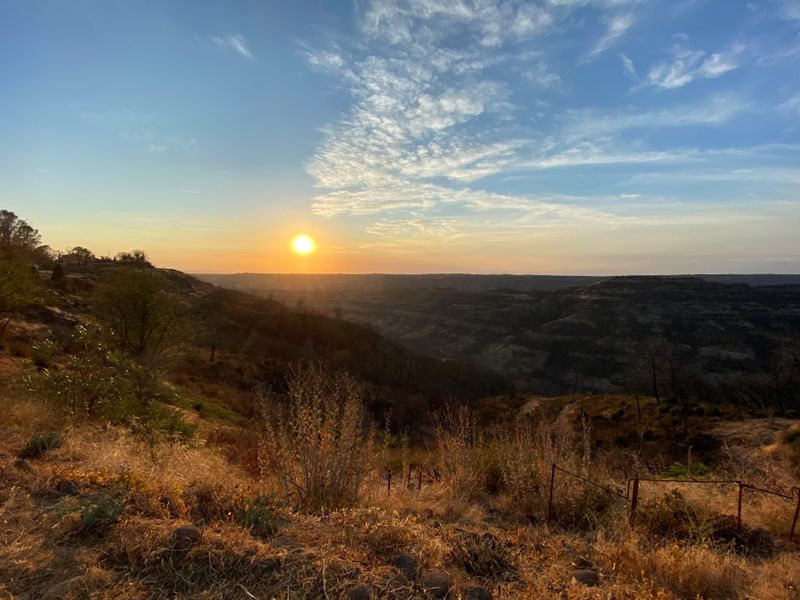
x=631 y=494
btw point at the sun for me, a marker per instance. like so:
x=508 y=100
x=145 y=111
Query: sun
x=303 y=244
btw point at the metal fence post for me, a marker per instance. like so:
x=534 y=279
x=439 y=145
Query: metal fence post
x=796 y=515
x=419 y=478
x=389 y=481
x=634 y=501
x=552 y=485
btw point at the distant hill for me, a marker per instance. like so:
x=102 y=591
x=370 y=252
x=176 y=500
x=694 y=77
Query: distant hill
x=465 y=282
x=730 y=337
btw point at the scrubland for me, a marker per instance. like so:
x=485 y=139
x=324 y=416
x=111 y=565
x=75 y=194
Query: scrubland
x=102 y=512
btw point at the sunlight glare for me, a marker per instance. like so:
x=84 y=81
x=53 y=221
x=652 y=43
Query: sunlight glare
x=303 y=244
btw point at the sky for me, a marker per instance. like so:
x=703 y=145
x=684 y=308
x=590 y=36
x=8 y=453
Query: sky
x=550 y=136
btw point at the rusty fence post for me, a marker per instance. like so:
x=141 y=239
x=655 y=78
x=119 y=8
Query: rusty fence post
x=419 y=478
x=634 y=501
x=739 y=507
x=552 y=485
x=408 y=479
x=796 y=514
x=389 y=481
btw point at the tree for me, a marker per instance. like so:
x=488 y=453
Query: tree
x=19 y=287
x=81 y=255
x=146 y=321
x=134 y=258
x=17 y=238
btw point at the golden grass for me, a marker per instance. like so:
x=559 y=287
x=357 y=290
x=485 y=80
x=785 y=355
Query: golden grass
x=43 y=553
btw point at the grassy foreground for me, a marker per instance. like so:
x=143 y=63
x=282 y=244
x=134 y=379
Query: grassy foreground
x=98 y=514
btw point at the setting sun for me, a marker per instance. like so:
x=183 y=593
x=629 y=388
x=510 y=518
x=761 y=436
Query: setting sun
x=303 y=244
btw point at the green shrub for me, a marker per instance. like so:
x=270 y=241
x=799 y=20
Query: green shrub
x=41 y=443
x=674 y=517
x=587 y=509
x=43 y=352
x=679 y=470
x=99 y=511
x=256 y=515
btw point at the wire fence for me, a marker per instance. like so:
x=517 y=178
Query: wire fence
x=631 y=493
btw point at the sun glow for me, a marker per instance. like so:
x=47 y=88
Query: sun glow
x=303 y=244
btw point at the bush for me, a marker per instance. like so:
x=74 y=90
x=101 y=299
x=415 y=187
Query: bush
x=486 y=556
x=679 y=470
x=99 y=511
x=459 y=447
x=255 y=515
x=318 y=446
x=41 y=443
x=43 y=352
x=672 y=516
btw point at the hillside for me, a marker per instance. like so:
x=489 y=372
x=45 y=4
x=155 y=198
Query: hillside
x=236 y=341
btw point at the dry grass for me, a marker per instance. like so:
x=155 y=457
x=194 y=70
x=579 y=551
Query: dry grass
x=44 y=553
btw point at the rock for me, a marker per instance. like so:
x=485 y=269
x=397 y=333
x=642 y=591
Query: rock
x=68 y=487
x=187 y=536
x=23 y=465
x=436 y=582
x=406 y=564
x=359 y=592
x=475 y=592
x=586 y=577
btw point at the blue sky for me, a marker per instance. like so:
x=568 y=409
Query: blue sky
x=559 y=136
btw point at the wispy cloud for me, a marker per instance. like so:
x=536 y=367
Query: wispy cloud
x=686 y=65
x=434 y=119
x=616 y=27
x=627 y=65
x=235 y=42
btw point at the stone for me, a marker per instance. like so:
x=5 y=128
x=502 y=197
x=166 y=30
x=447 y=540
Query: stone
x=187 y=536
x=585 y=577
x=475 y=592
x=359 y=592
x=436 y=582
x=68 y=487
x=406 y=564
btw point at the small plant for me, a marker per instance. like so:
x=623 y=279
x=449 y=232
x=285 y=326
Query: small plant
x=99 y=511
x=679 y=470
x=41 y=443
x=43 y=352
x=256 y=515
x=486 y=556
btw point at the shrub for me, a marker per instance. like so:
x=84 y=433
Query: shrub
x=318 y=446
x=672 y=516
x=459 y=445
x=256 y=515
x=43 y=352
x=41 y=443
x=679 y=470
x=486 y=556
x=99 y=511
x=528 y=451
